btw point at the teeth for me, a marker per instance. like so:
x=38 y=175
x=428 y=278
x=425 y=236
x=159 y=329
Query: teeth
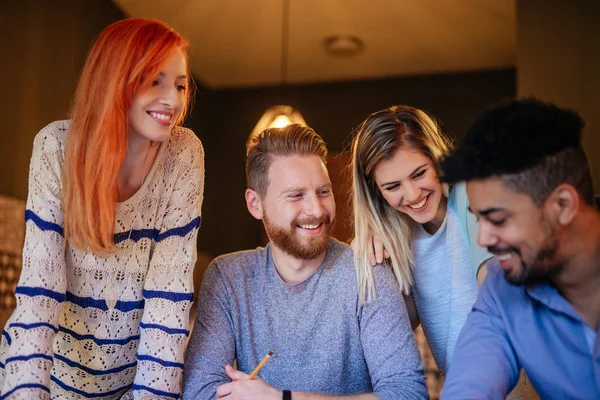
x=505 y=256
x=162 y=117
x=419 y=205
x=309 y=226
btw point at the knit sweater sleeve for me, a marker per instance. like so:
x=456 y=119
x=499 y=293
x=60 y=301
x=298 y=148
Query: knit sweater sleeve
x=212 y=344
x=26 y=347
x=388 y=342
x=168 y=289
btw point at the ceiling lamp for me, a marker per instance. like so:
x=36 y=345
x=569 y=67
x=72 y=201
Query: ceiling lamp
x=343 y=45
x=282 y=115
x=277 y=117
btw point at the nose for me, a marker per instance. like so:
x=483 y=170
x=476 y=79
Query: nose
x=170 y=97
x=411 y=192
x=485 y=235
x=313 y=206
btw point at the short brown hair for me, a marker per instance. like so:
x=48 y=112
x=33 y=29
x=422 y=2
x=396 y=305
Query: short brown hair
x=288 y=141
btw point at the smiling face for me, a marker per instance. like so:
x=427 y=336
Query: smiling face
x=154 y=112
x=298 y=208
x=523 y=236
x=409 y=183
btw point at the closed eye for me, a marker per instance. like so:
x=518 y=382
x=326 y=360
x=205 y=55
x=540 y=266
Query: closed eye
x=392 y=187
x=419 y=174
x=498 y=222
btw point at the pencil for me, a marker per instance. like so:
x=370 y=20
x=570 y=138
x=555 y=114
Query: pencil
x=261 y=364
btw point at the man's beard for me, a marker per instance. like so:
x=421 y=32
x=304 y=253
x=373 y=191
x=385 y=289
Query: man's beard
x=541 y=269
x=288 y=241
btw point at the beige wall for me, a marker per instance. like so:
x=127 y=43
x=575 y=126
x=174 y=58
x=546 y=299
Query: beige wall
x=558 y=59
x=43 y=45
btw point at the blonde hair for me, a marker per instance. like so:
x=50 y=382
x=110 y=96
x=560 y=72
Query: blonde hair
x=377 y=139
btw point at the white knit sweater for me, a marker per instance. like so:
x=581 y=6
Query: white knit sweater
x=64 y=340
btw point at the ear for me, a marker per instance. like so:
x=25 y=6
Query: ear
x=565 y=203
x=254 y=204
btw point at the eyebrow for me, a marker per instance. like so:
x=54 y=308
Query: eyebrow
x=409 y=175
x=300 y=189
x=489 y=211
x=290 y=190
x=179 y=77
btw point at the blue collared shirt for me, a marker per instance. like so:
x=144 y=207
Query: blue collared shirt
x=534 y=328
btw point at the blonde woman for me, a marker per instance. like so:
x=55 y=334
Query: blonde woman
x=425 y=226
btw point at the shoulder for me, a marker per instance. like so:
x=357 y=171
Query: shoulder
x=340 y=260
x=341 y=256
x=52 y=137
x=496 y=287
x=340 y=253
x=457 y=199
x=184 y=139
x=240 y=264
x=183 y=150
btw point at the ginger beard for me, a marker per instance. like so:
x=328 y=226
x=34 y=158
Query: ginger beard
x=296 y=244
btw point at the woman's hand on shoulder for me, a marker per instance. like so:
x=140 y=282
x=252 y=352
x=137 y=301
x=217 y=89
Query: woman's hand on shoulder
x=376 y=253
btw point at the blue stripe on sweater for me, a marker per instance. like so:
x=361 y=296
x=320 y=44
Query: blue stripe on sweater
x=171 y=331
x=86 y=394
x=172 y=296
x=33 y=326
x=28 y=357
x=7 y=336
x=164 y=363
x=91 y=371
x=137 y=234
x=96 y=340
x=156 y=392
x=42 y=224
x=86 y=302
x=180 y=231
x=38 y=291
x=24 y=386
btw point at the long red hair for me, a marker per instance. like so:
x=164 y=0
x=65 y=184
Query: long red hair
x=124 y=61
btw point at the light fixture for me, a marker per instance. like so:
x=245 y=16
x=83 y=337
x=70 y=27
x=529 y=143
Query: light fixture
x=343 y=45
x=281 y=115
x=277 y=117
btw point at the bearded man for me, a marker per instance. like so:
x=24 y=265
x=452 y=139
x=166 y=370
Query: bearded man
x=298 y=296
x=529 y=184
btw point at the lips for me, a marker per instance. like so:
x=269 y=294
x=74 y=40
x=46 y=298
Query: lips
x=419 y=205
x=163 y=118
x=506 y=256
x=313 y=226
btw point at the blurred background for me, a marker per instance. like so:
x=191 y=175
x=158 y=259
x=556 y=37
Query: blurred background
x=332 y=61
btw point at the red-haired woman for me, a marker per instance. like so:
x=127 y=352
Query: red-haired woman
x=112 y=218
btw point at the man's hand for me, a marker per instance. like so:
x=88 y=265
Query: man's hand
x=240 y=388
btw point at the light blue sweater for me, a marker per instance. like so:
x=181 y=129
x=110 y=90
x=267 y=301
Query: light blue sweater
x=445 y=272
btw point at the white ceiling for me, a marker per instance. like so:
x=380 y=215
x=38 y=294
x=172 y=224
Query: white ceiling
x=238 y=43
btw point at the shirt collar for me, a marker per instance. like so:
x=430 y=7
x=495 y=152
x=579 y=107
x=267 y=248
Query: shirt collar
x=548 y=295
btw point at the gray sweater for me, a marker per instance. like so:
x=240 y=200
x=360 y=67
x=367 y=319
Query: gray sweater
x=325 y=341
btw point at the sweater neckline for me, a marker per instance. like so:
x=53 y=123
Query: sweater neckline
x=144 y=188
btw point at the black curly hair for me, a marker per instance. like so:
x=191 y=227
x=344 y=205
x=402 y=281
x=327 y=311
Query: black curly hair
x=532 y=145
